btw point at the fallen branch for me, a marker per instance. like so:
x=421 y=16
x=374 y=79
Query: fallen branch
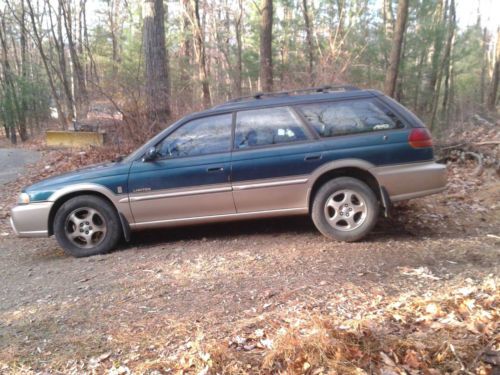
x=487 y=143
x=479 y=169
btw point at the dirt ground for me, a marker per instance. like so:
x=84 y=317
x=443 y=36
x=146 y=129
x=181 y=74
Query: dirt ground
x=167 y=288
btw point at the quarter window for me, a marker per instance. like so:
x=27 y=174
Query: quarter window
x=349 y=117
x=199 y=137
x=269 y=126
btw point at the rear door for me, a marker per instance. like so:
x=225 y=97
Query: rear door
x=273 y=154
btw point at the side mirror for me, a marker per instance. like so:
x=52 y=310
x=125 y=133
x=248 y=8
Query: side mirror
x=150 y=154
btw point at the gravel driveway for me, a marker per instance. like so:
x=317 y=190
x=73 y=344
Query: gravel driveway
x=12 y=162
x=159 y=293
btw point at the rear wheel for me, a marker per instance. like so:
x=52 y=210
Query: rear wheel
x=345 y=209
x=87 y=225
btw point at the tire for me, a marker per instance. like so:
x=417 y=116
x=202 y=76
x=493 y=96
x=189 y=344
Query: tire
x=87 y=225
x=345 y=209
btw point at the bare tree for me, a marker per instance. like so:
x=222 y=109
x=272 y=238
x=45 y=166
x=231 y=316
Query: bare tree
x=492 y=97
x=156 y=64
x=388 y=19
x=239 y=49
x=388 y=28
x=8 y=84
x=59 y=46
x=397 y=42
x=444 y=61
x=309 y=38
x=200 y=53
x=24 y=74
x=186 y=55
x=484 y=64
x=39 y=43
x=113 y=13
x=75 y=59
x=266 y=50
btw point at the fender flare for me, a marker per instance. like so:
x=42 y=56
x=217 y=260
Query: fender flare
x=122 y=208
x=348 y=163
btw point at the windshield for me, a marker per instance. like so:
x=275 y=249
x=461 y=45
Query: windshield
x=151 y=142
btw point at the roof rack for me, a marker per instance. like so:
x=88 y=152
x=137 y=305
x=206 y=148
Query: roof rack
x=321 y=89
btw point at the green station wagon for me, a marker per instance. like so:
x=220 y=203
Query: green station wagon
x=338 y=154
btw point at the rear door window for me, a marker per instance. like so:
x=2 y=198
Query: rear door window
x=268 y=126
x=349 y=117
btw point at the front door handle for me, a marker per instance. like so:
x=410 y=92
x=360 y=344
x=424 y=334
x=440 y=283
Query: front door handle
x=312 y=157
x=215 y=169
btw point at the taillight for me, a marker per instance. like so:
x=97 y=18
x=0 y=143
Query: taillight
x=420 y=138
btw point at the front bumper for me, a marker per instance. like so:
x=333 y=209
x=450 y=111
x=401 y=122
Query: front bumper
x=31 y=220
x=407 y=181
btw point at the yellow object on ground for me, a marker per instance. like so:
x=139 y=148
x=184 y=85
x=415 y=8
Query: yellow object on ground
x=74 y=139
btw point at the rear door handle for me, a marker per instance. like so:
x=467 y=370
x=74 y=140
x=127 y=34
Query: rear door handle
x=312 y=157
x=216 y=169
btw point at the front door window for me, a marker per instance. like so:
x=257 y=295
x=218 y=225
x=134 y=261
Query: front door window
x=204 y=136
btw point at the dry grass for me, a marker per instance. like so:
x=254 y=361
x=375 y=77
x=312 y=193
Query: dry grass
x=443 y=333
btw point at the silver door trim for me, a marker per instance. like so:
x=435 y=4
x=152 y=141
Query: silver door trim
x=223 y=217
x=176 y=194
x=270 y=184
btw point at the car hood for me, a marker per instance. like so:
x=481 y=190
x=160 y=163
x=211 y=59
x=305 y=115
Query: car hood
x=92 y=174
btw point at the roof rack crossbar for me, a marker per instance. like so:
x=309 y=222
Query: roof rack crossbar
x=319 y=89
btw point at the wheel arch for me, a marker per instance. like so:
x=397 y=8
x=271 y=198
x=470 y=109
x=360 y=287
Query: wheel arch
x=61 y=197
x=356 y=169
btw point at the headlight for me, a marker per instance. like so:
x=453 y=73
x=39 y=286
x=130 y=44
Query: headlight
x=23 y=198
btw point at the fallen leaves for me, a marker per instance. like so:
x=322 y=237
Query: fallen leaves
x=420 y=272
x=425 y=335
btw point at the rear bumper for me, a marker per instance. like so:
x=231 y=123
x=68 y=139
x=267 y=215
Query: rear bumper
x=407 y=181
x=31 y=220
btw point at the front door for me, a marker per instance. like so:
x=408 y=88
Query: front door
x=190 y=177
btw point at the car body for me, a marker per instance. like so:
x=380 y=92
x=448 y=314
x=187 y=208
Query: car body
x=264 y=156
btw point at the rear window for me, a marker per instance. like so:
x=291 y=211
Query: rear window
x=349 y=117
x=415 y=121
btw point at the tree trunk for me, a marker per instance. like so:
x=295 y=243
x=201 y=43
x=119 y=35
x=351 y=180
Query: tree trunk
x=310 y=46
x=266 y=50
x=61 y=55
x=397 y=41
x=11 y=105
x=239 y=50
x=388 y=19
x=186 y=56
x=77 y=67
x=388 y=29
x=90 y=67
x=484 y=65
x=492 y=97
x=43 y=56
x=443 y=62
x=199 y=48
x=23 y=133
x=285 y=45
x=156 y=64
x=439 y=34
x=114 y=28
x=448 y=86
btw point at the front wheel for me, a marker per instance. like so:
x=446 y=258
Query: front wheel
x=345 y=209
x=87 y=225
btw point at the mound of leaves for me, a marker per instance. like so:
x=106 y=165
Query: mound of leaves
x=453 y=332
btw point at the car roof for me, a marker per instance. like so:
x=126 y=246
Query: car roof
x=271 y=100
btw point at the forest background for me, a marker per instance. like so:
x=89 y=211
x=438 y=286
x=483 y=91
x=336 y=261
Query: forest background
x=153 y=61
